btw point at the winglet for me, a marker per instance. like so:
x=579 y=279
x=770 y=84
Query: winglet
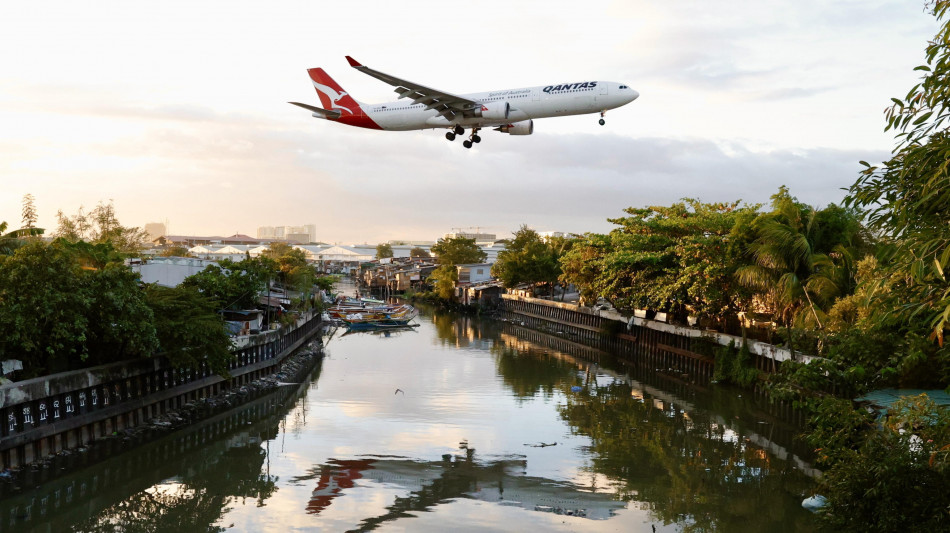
x=353 y=62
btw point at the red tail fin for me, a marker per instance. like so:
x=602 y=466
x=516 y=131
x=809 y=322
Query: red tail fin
x=332 y=96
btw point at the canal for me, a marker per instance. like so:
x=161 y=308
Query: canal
x=460 y=424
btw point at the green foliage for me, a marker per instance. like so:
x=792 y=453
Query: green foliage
x=908 y=197
x=419 y=252
x=43 y=308
x=384 y=250
x=887 y=475
x=100 y=226
x=294 y=272
x=443 y=278
x=735 y=365
x=233 y=285
x=189 y=328
x=175 y=251
x=679 y=259
x=458 y=251
x=325 y=283
x=121 y=324
x=10 y=241
x=582 y=264
x=801 y=259
x=527 y=259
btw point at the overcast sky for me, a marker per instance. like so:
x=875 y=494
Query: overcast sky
x=177 y=110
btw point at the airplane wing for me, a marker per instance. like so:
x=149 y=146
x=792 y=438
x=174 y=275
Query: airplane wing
x=325 y=113
x=448 y=105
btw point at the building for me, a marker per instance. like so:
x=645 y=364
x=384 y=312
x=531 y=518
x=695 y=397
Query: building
x=299 y=234
x=155 y=230
x=479 y=237
x=169 y=271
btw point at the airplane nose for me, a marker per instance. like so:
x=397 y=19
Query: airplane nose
x=635 y=95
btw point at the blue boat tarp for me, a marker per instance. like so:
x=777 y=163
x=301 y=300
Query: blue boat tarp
x=885 y=398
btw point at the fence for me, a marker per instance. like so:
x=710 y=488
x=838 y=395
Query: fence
x=44 y=416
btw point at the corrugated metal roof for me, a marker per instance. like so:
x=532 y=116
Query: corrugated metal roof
x=887 y=397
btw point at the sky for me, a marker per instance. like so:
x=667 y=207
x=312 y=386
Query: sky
x=177 y=111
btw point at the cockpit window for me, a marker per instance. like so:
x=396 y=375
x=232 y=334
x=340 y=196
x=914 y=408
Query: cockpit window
x=624 y=87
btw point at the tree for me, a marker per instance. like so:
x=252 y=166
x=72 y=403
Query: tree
x=175 y=251
x=419 y=252
x=10 y=241
x=581 y=265
x=189 y=329
x=445 y=278
x=121 y=324
x=384 y=250
x=891 y=474
x=233 y=285
x=294 y=270
x=678 y=259
x=29 y=212
x=527 y=259
x=100 y=226
x=458 y=251
x=908 y=197
x=43 y=308
x=801 y=259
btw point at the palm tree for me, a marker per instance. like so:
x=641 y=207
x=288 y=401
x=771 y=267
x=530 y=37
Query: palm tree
x=799 y=268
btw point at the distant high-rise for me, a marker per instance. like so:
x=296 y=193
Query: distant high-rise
x=479 y=237
x=301 y=234
x=155 y=230
x=266 y=232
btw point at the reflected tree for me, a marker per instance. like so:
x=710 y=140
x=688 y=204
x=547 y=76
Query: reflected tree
x=691 y=469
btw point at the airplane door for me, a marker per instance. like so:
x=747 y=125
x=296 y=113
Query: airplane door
x=536 y=95
x=603 y=88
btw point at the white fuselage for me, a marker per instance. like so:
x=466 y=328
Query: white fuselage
x=526 y=103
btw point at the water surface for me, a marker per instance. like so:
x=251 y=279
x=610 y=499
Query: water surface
x=462 y=425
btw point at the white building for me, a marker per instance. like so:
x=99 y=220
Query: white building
x=169 y=271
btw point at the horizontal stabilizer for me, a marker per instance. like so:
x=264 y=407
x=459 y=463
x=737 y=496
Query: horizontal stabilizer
x=319 y=111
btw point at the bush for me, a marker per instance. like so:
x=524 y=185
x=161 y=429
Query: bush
x=891 y=474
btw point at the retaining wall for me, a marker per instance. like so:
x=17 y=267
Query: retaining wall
x=662 y=345
x=44 y=416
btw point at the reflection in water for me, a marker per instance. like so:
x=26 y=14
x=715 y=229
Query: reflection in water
x=691 y=469
x=432 y=483
x=184 y=481
x=634 y=449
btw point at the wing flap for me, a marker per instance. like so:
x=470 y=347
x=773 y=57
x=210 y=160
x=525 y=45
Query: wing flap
x=448 y=105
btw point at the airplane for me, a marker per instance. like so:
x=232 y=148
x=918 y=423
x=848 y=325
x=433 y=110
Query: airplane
x=419 y=107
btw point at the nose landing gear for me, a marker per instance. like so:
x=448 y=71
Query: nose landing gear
x=602 y=121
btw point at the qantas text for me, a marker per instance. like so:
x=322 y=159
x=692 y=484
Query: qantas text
x=570 y=86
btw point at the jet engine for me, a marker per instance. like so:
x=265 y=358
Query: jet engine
x=525 y=127
x=494 y=110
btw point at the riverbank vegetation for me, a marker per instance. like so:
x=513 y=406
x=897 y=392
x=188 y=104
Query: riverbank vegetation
x=865 y=285
x=72 y=302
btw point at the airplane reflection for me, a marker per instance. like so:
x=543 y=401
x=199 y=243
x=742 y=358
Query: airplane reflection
x=431 y=483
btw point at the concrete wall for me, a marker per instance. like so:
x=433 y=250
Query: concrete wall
x=44 y=416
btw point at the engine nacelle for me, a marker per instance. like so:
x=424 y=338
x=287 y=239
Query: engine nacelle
x=525 y=127
x=494 y=111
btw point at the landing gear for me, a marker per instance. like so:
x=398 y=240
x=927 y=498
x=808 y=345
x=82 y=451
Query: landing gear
x=602 y=121
x=458 y=130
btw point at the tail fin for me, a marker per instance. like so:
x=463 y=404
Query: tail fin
x=332 y=96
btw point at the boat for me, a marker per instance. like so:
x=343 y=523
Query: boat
x=380 y=318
